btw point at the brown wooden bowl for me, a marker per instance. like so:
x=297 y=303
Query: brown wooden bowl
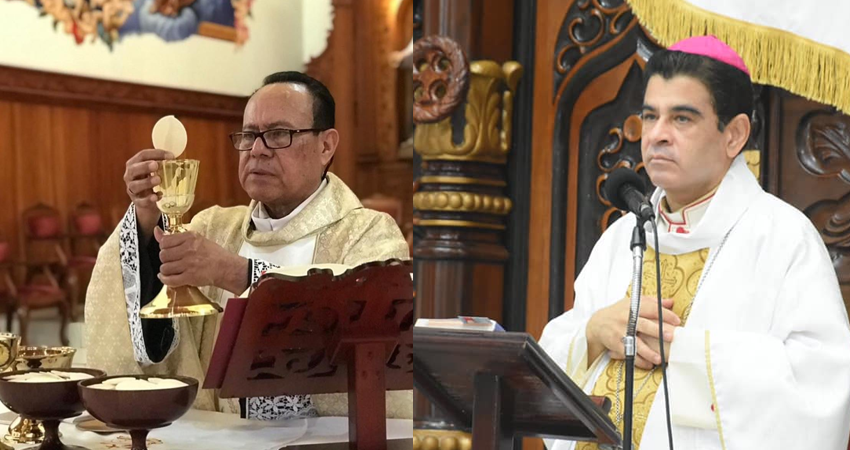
x=44 y=401
x=48 y=402
x=29 y=431
x=138 y=411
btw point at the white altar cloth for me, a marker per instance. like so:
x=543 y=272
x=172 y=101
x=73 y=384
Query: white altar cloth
x=205 y=430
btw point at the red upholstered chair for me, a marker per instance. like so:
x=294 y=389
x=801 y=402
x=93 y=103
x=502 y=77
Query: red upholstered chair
x=47 y=262
x=42 y=291
x=86 y=222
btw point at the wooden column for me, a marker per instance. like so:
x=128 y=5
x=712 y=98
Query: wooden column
x=460 y=205
x=461 y=202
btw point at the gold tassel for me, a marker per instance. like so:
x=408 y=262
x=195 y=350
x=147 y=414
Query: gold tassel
x=775 y=57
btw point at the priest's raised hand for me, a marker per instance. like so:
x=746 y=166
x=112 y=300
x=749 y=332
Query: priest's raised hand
x=140 y=179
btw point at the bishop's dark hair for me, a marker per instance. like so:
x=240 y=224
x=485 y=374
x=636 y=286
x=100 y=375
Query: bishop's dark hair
x=730 y=88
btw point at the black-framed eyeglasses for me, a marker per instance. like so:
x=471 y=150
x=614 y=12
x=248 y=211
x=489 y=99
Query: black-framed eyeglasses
x=273 y=139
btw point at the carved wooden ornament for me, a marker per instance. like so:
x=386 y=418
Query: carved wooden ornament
x=440 y=78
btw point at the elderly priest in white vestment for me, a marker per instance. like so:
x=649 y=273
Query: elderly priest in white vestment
x=756 y=333
x=299 y=214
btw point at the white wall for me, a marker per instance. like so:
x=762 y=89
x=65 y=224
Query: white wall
x=318 y=22
x=203 y=64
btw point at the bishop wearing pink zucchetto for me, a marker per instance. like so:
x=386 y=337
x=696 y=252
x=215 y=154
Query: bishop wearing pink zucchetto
x=755 y=332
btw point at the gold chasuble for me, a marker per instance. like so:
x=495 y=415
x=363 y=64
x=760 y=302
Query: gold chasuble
x=680 y=275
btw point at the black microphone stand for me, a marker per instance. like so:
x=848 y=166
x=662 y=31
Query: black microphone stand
x=638 y=246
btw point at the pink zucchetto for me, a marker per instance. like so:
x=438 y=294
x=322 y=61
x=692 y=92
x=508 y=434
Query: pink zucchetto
x=713 y=48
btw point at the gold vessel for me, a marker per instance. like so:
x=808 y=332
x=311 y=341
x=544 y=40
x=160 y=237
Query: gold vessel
x=179 y=177
x=9 y=350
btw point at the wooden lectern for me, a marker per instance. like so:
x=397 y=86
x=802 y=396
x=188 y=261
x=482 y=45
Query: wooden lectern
x=502 y=385
x=319 y=334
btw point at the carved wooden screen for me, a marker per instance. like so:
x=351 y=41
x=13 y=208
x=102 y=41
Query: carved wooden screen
x=598 y=70
x=808 y=166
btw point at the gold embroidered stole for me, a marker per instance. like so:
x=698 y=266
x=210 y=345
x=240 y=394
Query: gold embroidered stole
x=680 y=275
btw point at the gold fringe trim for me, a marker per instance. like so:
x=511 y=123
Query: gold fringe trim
x=713 y=392
x=775 y=57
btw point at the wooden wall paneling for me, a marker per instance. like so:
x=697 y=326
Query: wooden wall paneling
x=367 y=32
x=404 y=24
x=27 y=86
x=96 y=179
x=386 y=79
x=368 y=176
x=377 y=119
x=550 y=14
x=396 y=178
x=356 y=68
x=61 y=152
x=73 y=169
x=33 y=145
x=377 y=123
x=119 y=137
x=8 y=180
x=65 y=139
x=340 y=59
x=32 y=140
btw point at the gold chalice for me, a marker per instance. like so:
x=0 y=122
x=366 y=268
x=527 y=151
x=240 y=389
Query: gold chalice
x=9 y=347
x=178 y=178
x=28 y=431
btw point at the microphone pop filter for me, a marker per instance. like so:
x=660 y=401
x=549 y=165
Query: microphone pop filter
x=618 y=179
